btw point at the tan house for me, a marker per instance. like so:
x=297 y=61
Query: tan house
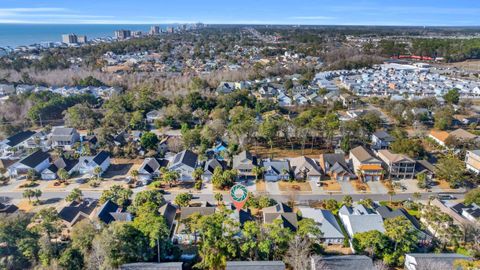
x=398 y=166
x=365 y=165
x=472 y=161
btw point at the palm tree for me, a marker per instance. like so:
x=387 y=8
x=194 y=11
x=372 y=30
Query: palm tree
x=63 y=175
x=417 y=195
x=97 y=171
x=37 y=193
x=134 y=174
x=218 y=197
x=197 y=173
x=75 y=195
x=257 y=171
x=28 y=193
x=391 y=193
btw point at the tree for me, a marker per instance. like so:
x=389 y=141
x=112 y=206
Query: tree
x=117 y=194
x=82 y=235
x=218 y=197
x=98 y=171
x=146 y=196
x=410 y=147
x=28 y=193
x=149 y=140
x=451 y=169
x=152 y=225
x=81 y=116
x=404 y=235
x=347 y=200
x=452 y=96
x=170 y=177
x=443 y=118
x=422 y=180
x=391 y=193
x=71 y=259
x=63 y=174
x=183 y=199
x=122 y=243
x=268 y=129
x=75 y=195
x=374 y=243
x=258 y=172
x=197 y=173
x=298 y=253
x=473 y=196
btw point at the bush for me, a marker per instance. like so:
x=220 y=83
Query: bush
x=198 y=185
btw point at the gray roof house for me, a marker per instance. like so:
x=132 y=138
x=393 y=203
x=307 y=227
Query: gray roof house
x=381 y=140
x=37 y=161
x=64 y=137
x=332 y=233
x=210 y=166
x=305 y=168
x=169 y=212
x=282 y=212
x=184 y=163
x=244 y=163
x=275 y=170
x=336 y=167
x=358 y=219
x=345 y=262
x=150 y=169
x=418 y=261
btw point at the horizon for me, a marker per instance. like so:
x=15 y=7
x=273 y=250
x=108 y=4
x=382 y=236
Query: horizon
x=249 y=12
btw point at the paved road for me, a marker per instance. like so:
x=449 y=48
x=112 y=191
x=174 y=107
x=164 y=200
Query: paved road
x=301 y=198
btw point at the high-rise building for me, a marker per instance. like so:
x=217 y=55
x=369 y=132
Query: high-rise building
x=123 y=34
x=82 y=39
x=154 y=30
x=69 y=38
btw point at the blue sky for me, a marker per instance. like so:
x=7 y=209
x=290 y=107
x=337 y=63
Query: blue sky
x=315 y=12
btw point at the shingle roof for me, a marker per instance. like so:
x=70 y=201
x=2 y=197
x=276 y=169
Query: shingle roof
x=211 y=164
x=35 y=158
x=104 y=213
x=462 y=134
x=152 y=266
x=71 y=212
x=345 y=262
x=383 y=135
x=326 y=221
x=169 y=211
x=299 y=164
x=185 y=157
x=361 y=153
x=101 y=157
x=244 y=159
x=19 y=137
x=188 y=211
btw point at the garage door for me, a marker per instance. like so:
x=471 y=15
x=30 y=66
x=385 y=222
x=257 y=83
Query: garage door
x=376 y=178
x=368 y=178
x=339 y=178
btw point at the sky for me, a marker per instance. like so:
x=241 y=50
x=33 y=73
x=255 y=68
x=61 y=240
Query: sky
x=308 y=12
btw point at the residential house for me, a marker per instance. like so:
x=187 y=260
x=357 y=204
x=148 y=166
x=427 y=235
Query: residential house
x=365 y=165
x=15 y=142
x=472 y=161
x=64 y=137
x=226 y=88
x=418 y=261
x=305 y=168
x=241 y=216
x=150 y=169
x=282 y=212
x=37 y=161
x=358 y=219
x=276 y=170
x=69 y=165
x=255 y=265
x=345 y=262
x=87 y=164
x=7 y=209
x=439 y=137
x=110 y=212
x=425 y=167
x=398 y=166
x=184 y=163
x=182 y=236
x=326 y=222
x=169 y=212
x=244 y=164
x=470 y=212
x=336 y=167
x=153 y=116
x=381 y=140
x=463 y=135
x=77 y=211
x=210 y=166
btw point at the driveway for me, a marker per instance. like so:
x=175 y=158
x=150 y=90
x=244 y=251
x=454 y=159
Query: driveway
x=347 y=187
x=272 y=188
x=376 y=187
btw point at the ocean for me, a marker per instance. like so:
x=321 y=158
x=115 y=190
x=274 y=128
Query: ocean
x=14 y=35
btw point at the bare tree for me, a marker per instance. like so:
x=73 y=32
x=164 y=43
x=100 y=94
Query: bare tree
x=298 y=253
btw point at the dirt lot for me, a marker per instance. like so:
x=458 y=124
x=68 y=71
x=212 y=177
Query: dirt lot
x=261 y=187
x=331 y=185
x=264 y=152
x=360 y=186
x=294 y=186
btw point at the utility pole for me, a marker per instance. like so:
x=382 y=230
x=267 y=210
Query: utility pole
x=40 y=116
x=158 y=248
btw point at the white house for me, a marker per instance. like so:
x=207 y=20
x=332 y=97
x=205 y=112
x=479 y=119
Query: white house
x=150 y=169
x=326 y=222
x=50 y=173
x=37 y=161
x=184 y=163
x=440 y=261
x=358 y=219
x=275 y=170
x=87 y=165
